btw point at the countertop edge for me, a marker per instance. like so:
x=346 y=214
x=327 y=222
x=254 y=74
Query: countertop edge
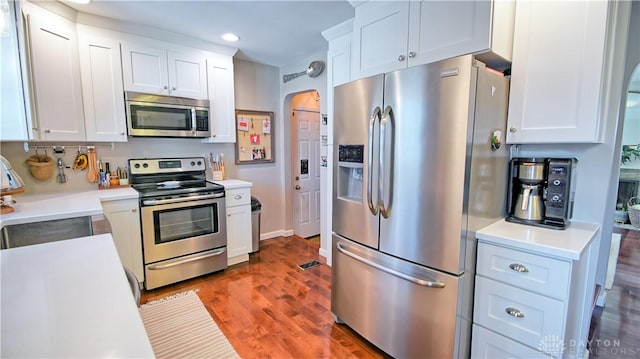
x=63 y=205
x=564 y=244
x=234 y=183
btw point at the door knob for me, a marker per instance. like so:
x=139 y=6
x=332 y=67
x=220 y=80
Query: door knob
x=298 y=187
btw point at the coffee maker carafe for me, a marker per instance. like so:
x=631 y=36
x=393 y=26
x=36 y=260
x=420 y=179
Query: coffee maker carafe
x=541 y=191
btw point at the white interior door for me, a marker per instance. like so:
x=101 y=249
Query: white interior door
x=306 y=172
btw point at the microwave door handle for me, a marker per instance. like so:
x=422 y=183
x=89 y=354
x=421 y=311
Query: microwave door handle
x=193 y=121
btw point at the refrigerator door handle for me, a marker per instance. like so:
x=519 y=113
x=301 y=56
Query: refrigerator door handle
x=415 y=280
x=372 y=121
x=386 y=181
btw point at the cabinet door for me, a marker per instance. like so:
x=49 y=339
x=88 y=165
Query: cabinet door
x=558 y=56
x=55 y=74
x=102 y=89
x=13 y=121
x=187 y=75
x=222 y=99
x=380 y=37
x=125 y=230
x=442 y=29
x=238 y=230
x=144 y=69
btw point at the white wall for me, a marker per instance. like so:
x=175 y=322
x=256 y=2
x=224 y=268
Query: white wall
x=256 y=88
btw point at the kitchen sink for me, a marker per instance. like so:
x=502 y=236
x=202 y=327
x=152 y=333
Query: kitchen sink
x=26 y=234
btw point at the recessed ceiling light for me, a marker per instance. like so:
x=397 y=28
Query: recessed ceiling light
x=230 y=37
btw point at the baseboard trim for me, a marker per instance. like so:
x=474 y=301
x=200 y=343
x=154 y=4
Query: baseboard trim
x=280 y=233
x=325 y=253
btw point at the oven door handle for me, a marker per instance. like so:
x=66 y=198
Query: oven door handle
x=217 y=252
x=153 y=202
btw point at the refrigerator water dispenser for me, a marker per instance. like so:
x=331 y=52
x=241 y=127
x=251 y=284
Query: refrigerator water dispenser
x=350 y=172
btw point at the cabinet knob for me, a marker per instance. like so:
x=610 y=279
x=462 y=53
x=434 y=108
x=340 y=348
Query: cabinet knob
x=513 y=129
x=213 y=135
x=401 y=58
x=173 y=88
x=121 y=133
x=237 y=196
x=298 y=187
x=134 y=210
x=412 y=54
x=166 y=87
x=514 y=312
x=46 y=130
x=518 y=267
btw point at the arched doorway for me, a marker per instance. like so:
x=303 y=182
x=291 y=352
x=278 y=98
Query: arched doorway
x=304 y=119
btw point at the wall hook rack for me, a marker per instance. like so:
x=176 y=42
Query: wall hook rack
x=57 y=147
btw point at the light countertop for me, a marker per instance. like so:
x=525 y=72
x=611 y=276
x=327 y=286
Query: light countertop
x=234 y=183
x=69 y=299
x=45 y=207
x=568 y=243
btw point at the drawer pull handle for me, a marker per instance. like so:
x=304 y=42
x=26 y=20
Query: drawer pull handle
x=514 y=312
x=518 y=267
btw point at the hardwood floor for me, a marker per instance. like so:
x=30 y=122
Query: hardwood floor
x=615 y=329
x=270 y=308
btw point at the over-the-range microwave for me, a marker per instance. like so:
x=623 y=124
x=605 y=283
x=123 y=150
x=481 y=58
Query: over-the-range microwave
x=151 y=115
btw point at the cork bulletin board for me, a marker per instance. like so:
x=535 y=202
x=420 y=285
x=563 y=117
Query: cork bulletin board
x=254 y=137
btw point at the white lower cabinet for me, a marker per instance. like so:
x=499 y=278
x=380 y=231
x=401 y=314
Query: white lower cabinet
x=487 y=344
x=529 y=304
x=125 y=230
x=238 y=206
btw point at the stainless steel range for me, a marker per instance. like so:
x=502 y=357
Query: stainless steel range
x=184 y=231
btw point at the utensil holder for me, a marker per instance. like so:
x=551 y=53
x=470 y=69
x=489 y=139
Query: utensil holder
x=218 y=175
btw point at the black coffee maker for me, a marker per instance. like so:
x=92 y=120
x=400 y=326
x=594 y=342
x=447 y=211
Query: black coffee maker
x=541 y=191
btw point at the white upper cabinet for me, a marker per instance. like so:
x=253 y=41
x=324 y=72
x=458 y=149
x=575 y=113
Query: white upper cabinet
x=222 y=100
x=443 y=29
x=391 y=35
x=13 y=123
x=380 y=35
x=556 y=78
x=152 y=69
x=55 y=77
x=102 y=88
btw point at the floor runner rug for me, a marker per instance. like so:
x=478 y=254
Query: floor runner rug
x=179 y=326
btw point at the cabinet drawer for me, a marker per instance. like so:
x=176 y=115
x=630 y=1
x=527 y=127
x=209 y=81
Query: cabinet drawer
x=536 y=273
x=489 y=345
x=238 y=197
x=533 y=316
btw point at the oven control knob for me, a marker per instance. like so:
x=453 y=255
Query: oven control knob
x=145 y=165
x=193 y=163
x=137 y=165
x=556 y=182
x=199 y=163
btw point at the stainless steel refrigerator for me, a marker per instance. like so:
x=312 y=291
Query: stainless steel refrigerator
x=419 y=166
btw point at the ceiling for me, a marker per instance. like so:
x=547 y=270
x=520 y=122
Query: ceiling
x=271 y=32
